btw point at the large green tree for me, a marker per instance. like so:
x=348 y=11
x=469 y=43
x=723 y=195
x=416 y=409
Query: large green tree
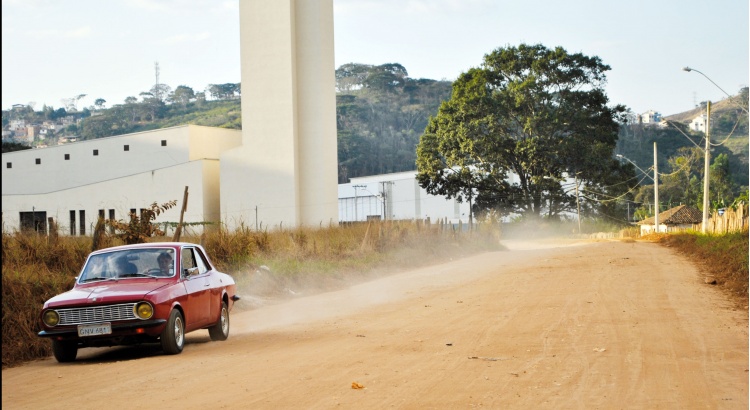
x=537 y=115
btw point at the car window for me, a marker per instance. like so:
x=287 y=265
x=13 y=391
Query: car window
x=192 y=258
x=188 y=260
x=125 y=264
x=200 y=261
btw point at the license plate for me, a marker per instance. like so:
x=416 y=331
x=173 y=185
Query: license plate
x=95 y=330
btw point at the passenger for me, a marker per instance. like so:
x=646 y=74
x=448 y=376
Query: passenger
x=125 y=268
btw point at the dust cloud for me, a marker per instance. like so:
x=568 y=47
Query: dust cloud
x=269 y=303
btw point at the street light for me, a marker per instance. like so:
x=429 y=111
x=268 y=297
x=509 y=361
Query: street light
x=707 y=161
x=688 y=69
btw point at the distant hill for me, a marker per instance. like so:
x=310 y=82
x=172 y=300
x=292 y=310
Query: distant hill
x=729 y=137
x=717 y=108
x=729 y=126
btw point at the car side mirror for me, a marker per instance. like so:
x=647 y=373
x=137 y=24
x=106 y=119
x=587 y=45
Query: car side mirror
x=191 y=272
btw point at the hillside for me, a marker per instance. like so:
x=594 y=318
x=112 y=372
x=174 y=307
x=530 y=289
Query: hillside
x=717 y=108
x=736 y=140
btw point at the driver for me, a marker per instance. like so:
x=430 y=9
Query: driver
x=165 y=264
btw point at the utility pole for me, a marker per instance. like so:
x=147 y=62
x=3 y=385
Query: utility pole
x=628 y=217
x=706 y=204
x=578 y=205
x=707 y=166
x=384 y=195
x=178 y=231
x=656 y=192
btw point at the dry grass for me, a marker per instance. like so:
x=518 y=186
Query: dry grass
x=36 y=268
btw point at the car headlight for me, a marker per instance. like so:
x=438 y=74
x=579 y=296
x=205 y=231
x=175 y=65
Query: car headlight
x=144 y=310
x=51 y=318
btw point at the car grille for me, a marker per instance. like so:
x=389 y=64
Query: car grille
x=96 y=314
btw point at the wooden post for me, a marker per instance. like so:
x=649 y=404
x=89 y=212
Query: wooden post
x=178 y=231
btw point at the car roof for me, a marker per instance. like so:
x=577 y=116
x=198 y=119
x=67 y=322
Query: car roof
x=147 y=245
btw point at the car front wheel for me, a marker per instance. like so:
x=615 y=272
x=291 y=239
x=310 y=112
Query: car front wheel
x=220 y=331
x=173 y=336
x=64 y=351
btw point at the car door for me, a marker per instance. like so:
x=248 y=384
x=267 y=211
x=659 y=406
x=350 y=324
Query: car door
x=197 y=284
x=214 y=290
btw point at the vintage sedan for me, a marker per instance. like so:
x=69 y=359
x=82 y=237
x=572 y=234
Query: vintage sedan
x=143 y=293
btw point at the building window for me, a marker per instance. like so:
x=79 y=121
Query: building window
x=101 y=214
x=38 y=161
x=82 y=222
x=67 y=157
x=126 y=147
x=163 y=143
x=96 y=152
x=8 y=165
x=34 y=221
x=72 y=223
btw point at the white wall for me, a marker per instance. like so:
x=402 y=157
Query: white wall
x=54 y=173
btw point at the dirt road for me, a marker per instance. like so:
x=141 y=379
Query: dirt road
x=603 y=325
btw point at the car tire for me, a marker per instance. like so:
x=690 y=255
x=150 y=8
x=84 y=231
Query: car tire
x=64 y=351
x=173 y=336
x=220 y=331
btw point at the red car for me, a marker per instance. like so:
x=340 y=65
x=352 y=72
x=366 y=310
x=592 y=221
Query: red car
x=151 y=292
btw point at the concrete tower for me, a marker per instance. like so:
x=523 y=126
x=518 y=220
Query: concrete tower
x=285 y=173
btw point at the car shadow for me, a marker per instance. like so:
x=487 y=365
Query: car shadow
x=124 y=353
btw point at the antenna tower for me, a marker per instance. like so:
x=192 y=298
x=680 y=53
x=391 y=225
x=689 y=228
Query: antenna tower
x=156 y=69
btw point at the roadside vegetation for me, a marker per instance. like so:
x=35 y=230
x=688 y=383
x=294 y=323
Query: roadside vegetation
x=722 y=258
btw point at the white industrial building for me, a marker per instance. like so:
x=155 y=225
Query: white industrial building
x=396 y=196
x=280 y=171
x=110 y=177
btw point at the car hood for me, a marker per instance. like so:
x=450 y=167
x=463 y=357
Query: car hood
x=106 y=292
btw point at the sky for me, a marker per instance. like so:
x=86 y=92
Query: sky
x=54 y=50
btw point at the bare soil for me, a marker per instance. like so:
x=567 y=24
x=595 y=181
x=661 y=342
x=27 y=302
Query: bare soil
x=604 y=325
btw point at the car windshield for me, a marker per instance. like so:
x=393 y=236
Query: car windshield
x=129 y=263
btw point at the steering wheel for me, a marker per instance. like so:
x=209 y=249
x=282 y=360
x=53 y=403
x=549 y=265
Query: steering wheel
x=154 y=272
